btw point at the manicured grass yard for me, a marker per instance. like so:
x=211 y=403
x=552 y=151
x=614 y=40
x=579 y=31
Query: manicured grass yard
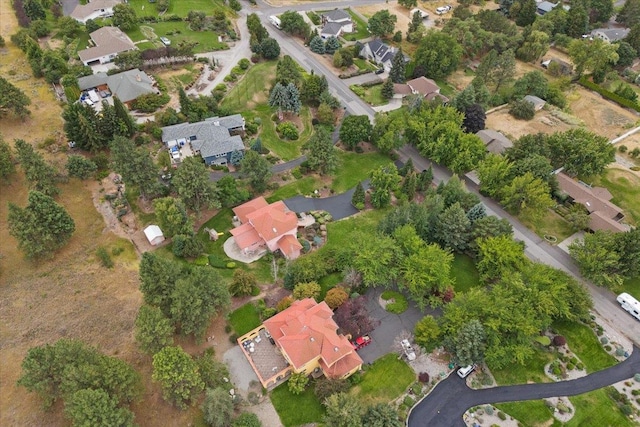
x=295 y=410
x=339 y=232
x=464 y=271
x=249 y=97
x=356 y=167
x=361 y=28
x=180 y=8
x=303 y=186
x=551 y=224
x=529 y=413
x=244 y=319
x=385 y=380
x=328 y=282
x=206 y=41
x=363 y=64
x=532 y=371
x=584 y=343
x=372 y=95
x=595 y=408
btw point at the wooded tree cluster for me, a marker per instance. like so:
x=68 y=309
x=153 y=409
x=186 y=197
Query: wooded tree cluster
x=346 y=410
x=95 y=388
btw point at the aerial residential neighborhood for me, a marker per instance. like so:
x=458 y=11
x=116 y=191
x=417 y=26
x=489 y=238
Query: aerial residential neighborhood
x=248 y=213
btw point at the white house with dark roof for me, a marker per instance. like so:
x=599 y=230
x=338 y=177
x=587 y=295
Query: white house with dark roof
x=335 y=22
x=127 y=86
x=610 y=35
x=96 y=9
x=380 y=53
x=108 y=42
x=214 y=139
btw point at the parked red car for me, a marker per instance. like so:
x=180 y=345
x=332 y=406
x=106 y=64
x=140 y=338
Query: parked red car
x=360 y=342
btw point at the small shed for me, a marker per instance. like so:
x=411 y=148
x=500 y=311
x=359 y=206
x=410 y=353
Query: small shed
x=538 y=103
x=154 y=235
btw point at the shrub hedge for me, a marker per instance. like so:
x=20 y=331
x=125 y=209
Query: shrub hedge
x=623 y=102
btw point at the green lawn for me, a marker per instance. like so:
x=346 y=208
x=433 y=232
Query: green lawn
x=180 y=8
x=244 y=319
x=385 y=380
x=632 y=286
x=595 y=408
x=551 y=224
x=445 y=88
x=465 y=273
x=584 y=343
x=529 y=413
x=625 y=188
x=339 y=232
x=303 y=186
x=372 y=95
x=354 y=168
x=295 y=410
x=206 y=41
x=361 y=28
x=249 y=97
x=363 y=64
x=532 y=371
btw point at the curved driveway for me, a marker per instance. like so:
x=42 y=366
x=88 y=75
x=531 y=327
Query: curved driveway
x=447 y=403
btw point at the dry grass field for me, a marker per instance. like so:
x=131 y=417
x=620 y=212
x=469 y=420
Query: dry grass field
x=71 y=295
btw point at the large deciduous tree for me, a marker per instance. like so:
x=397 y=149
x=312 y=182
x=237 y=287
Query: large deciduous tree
x=498 y=256
x=427 y=333
x=7 y=163
x=382 y=23
x=527 y=195
x=178 y=375
x=293 y=23
x=437 y=56
x=41 y=227
x=157 y=278
x=355 y=129
x=384 y=181
x=89 y=407
x=343 y=410
x=595 y=55
x=353 y=318
x=124 y=17
x=217 y=407
x=580 y=151
x=468 y=345
x=172 y=217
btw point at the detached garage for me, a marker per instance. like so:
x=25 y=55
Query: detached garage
x=154 y=235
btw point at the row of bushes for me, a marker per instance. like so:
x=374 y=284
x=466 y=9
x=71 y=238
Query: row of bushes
x=354 y=74
x=584 y=81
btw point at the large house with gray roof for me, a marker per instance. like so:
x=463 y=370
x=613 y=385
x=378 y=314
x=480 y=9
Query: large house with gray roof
x=108 y=42
x=127 y=86
x=214 y=139
x=610 y=35
x=380 y=53
x=335 y=22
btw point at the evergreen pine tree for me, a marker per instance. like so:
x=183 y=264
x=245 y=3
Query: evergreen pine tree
x=424 y=179
x=123 y=115
x=317 y=45
x=387 y=89
x=410 y=185
x=358 y=197
x=397 y=73
x=331 y=45
x=407 y=168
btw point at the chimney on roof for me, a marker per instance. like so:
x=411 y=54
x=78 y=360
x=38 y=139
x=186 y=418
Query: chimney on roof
x=274 y=230
x=138 y=78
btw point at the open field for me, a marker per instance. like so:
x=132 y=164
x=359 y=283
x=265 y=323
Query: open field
x=402 y=13
x=206 y=41
x=512 y=128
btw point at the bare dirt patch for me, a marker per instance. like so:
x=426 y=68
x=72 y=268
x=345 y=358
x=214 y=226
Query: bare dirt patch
x=600 y=116
x=542 y=122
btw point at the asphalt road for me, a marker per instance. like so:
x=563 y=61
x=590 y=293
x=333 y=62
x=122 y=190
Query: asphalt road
x=447 y=403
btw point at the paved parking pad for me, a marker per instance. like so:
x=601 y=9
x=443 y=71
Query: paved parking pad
x=391 y=325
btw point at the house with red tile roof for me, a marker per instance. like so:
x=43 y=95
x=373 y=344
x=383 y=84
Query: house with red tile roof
x=307 y=337
x=263 y=225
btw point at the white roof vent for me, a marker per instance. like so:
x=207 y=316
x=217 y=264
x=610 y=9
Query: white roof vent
x=335 y=349
x=274 y=230
x=312 y=339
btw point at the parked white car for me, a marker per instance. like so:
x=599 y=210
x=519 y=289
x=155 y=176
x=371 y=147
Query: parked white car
x=465 y=371
x=165 y=41
x=443 y=9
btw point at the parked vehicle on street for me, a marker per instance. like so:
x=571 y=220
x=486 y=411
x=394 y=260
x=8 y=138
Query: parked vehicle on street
x=275 y=21
x=630 y=304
